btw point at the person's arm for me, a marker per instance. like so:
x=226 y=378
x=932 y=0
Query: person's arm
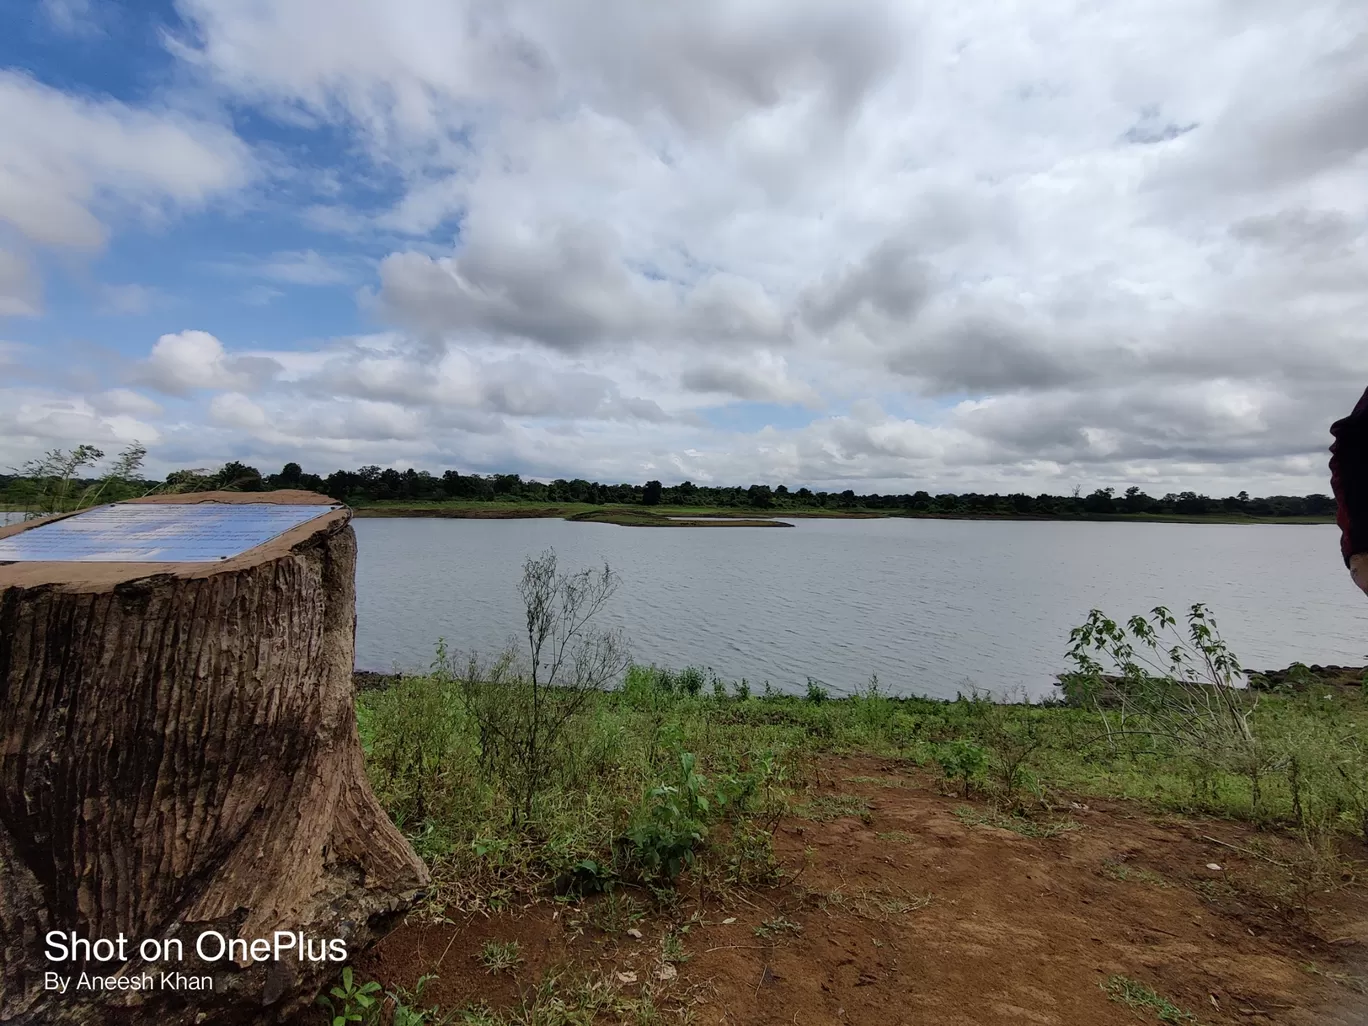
x=1349 y=481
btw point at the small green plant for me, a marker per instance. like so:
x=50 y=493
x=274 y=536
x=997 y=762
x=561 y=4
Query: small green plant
x=751 y=861
x=405 y=1010
x=672 y=948
x=741 y=689
x=778 y=925
x=672 y=821
x=1121 y=871
x=1135 y=995
x=500 y=956
x=961 y=760
x=349 y=1001
x=615 y=912
x=690 y=681
x=816 y=692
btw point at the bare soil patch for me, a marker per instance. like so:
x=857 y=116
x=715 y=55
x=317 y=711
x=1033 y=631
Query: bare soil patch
x=901 y=904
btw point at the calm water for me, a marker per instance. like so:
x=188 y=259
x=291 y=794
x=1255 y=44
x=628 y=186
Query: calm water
x=928 y=605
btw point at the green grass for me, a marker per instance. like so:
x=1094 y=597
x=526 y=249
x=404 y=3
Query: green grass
x=1022 y=825
x=500 y=956
x=1128 y=992
x=626 y=742
x=826 y=807
x=1126 y=873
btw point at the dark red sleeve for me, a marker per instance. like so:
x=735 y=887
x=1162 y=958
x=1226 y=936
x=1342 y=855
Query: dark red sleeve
x=1349 y=479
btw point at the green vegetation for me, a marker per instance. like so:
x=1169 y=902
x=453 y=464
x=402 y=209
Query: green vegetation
x=1137 y=996
x=663 y=775
x=52 y=482
x=350 y=1001
x=421 y=493
x=500 y=956
x=609 y=790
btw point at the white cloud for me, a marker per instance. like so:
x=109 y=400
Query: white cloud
x=125 y=402
x=301 y=267
x=73 y=17
x=1020 y=245
x=33 y=420
x=188 y=360
x=119 y=300
x=261 y=295
x=20 y=292
x=762 y=377
x=68 y=163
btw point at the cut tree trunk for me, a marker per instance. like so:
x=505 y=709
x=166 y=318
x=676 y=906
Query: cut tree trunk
x=179 y=755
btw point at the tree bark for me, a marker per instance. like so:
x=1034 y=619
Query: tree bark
x=179 y=754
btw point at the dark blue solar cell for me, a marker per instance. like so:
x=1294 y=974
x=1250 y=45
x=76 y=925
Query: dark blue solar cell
x=203 y=532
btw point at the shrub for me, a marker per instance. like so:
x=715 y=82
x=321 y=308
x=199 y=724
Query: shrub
x=691 y=681
x=523 y=710
x=671 y=821
x=961 y=760
x=1180 y=691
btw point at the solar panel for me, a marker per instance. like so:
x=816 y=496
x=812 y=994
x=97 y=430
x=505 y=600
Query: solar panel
x=138 y=532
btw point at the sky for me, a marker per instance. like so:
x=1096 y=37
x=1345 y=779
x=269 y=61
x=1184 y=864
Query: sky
x=876 y=244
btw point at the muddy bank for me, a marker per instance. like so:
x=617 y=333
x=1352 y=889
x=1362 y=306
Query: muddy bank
x=902 y=904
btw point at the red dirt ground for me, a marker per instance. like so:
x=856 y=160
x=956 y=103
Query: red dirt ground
x=1016 y=929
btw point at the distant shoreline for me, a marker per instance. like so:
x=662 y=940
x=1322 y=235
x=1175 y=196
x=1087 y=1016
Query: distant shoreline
x=669 y=516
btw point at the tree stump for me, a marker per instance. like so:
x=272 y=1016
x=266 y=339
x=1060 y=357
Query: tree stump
x=179 y=759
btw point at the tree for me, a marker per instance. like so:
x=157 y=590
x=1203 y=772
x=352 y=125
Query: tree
x=59 y=489
x=650 y=494
x=1100 y=501
x=238 y=477
x=760 y=496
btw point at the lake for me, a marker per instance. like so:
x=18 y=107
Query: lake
x=930 y=606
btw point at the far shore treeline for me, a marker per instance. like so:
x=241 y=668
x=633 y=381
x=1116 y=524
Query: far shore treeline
x=372 y=484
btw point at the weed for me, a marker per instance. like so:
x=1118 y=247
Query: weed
x=750 y=858
x=615 y=912
x=349 y=1001
x=776 y=926
x=878 y=906
x=404 y=1010
x=900 y=836
x=1136 y=996
x=672 y=948
x=1121 y=871
x=879 y=781
x=671 y=821
x=1020 y=824
x=825 y=807
x=816 y=692
x=500 y=956
x=1356 y=983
